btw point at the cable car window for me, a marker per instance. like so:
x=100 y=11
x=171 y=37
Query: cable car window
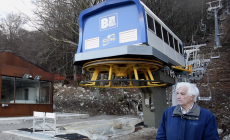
x=171 y=41
x=176 y=45
x=165 y=35
x=158 y=29
x=181 y=50
x=150 y=23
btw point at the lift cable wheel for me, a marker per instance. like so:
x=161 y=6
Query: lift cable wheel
x=124 y=70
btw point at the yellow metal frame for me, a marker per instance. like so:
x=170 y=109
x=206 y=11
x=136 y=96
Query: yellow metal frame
x=183 y=68
x=131 y=86
x=121 y=67
x=95 y=75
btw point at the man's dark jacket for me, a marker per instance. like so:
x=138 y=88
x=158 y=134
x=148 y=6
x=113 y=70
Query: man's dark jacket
x=197 y=124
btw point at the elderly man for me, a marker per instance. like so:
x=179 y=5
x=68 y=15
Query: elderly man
x=187 y=120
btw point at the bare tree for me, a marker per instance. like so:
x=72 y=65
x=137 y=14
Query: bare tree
x=58 y=20
x=9 y=28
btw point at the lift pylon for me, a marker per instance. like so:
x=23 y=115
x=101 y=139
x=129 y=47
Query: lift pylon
x=214 y=6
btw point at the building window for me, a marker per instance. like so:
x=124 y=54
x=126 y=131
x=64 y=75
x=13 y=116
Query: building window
x=27 y=91
x=176 y=45
x=150 y=23
x=181 y=50
x=158 y=29
x=26 y=94
x=7 y=91
x=171 y=41
x=45 y=88
x=165 y=35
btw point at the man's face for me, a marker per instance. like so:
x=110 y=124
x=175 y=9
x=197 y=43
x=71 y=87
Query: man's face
x=183 y=98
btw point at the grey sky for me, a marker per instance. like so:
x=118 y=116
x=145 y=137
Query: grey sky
x=15 y=6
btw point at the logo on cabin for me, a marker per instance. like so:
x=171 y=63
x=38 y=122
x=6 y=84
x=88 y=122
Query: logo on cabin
x=108 y=22
x=108 y=39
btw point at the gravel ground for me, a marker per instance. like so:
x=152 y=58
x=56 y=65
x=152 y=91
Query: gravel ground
x=143 y=133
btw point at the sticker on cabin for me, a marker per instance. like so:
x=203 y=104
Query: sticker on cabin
x=108 y=22
x=108 y=39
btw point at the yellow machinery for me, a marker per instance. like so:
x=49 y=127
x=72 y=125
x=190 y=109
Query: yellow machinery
x=126 y=71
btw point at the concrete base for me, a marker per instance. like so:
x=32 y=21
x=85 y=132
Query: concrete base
x=143 y=134
x=158 y=101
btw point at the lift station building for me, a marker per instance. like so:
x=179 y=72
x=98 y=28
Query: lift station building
x=24 y=87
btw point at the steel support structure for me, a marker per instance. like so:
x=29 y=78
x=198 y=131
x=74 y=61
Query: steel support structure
x=217 y=33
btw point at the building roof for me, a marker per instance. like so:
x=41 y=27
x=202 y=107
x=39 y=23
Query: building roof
x=8 y=57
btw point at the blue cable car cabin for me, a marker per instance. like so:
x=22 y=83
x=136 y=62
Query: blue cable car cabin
x=124 y=37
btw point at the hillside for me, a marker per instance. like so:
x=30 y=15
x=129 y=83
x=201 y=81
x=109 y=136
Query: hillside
x=219 y=81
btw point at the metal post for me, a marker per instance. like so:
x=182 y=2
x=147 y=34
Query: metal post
x=167 y=91
x=217 y=37
x=122 y=91
x=174 y=93
x=227 y=8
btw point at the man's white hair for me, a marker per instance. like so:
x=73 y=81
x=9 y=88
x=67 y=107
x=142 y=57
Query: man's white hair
x=192 y=89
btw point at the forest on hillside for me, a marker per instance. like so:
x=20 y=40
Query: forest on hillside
x=54 y=42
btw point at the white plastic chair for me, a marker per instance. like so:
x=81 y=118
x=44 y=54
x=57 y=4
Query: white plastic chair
x=50 y=118
x=39 y=117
